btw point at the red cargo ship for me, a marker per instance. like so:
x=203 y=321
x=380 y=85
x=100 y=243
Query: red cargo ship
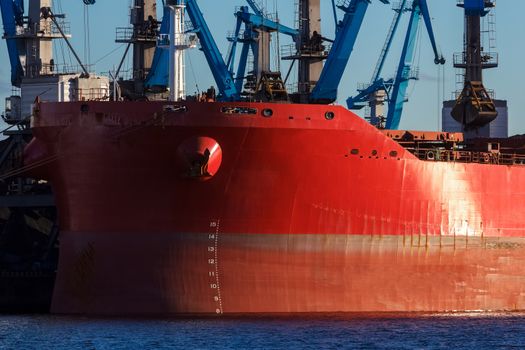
x=192 y=206
x=274 y=208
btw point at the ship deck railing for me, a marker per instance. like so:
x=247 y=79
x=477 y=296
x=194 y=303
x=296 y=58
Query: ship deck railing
x=291 y=52
x=296 y=87
x=132 y=35
x=467 y=156
x=54 y=69
x=488 y=59
x=42 y=30
x=92 y=94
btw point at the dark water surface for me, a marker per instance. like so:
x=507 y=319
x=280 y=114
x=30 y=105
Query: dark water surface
x=445 y=331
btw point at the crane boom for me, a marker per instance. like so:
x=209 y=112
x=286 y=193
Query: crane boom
x=159 y=72
x=388 y=42
x=219 y=69
x=243 y=61
x=438 y=57
x=403 y=75
x=255 y=7
x=231 y=55
x=259 y=21
x=13 y=16
x=377 y=83
x=325 y=91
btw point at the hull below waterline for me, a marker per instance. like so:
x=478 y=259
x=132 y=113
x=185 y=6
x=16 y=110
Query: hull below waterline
x=215 y=273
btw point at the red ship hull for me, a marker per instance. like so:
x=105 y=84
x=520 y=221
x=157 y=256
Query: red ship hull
x=291 y=211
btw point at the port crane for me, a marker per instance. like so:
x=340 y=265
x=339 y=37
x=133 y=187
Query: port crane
x=256 y=25
x=222 y=75
x=325 y=90
x=17 y=45
x=158 y=73
x=474 y=107
x=395 y=89
x=256 y=37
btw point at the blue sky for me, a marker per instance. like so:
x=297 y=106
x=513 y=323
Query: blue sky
x=422 y=110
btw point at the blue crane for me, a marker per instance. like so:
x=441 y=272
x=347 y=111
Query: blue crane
x=13 y=17
x=261 y=22
x=397 y=98
x=256 y=8
x=252 y=24
x=325 y=91
x=222 y=75
x=248 y=40
x=158 y=75
x=377 y=83
x=396 y=88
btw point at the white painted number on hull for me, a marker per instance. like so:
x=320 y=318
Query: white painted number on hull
x=213 y=262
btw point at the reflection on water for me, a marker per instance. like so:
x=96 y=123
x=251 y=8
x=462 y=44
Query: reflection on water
x=356 y=331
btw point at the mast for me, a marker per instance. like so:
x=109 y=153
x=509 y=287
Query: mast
x=39 y=37
x=178 y=43
x=143 y=36
x=311 y=55
x=474 y=107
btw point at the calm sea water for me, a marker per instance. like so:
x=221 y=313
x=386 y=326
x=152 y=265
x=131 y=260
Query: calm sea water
x=450 y=331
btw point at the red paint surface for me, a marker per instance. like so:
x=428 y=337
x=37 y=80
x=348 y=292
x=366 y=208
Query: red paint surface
x=307 y=224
